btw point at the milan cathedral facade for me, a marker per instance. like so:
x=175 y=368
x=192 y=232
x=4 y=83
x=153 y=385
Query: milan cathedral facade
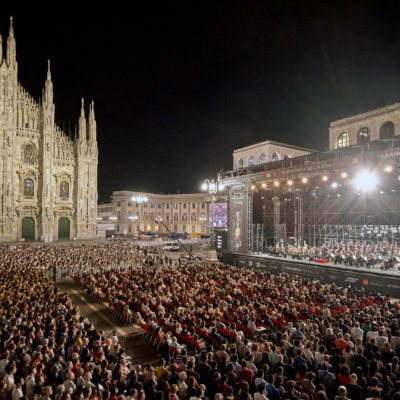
x=48 y=180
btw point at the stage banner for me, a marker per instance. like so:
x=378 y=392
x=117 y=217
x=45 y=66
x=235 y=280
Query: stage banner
x=238 y=219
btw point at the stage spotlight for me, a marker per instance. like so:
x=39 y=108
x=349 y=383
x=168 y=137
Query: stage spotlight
x=366 y=180
x=344 y=174
x=276 y=183
x=325 y=178
x=290 y=182
x=304 y=180
x=334 y=185
x=388 y=168
x=263 y=185
x=253 y=187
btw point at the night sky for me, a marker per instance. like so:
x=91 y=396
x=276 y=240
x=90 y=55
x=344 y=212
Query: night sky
x=177 y=88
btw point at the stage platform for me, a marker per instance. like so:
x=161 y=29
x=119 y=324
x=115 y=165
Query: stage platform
x=372 y=279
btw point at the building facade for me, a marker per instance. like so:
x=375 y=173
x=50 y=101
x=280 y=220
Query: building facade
x=48 y=180
x=179 y=212
x=381 y=123
x=264 y=152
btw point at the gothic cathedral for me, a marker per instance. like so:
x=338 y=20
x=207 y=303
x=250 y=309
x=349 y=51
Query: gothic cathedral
x=48 y=180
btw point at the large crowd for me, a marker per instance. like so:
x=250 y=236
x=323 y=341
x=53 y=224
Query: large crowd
x=357 y=254
x=222 y=332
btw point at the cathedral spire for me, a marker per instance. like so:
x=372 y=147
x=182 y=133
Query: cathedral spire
x=11 y=47
x=48 y=87
x=82 y=123
x=92 y=123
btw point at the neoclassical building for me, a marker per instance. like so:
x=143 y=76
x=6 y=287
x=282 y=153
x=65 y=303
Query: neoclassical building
x=265 y=152
x=48 y=179
x=129 y=214
x=379 y=124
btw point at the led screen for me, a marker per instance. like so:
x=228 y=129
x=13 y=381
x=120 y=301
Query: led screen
x=220 y=215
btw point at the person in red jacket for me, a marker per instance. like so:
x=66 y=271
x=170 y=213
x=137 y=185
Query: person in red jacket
x=245 y=374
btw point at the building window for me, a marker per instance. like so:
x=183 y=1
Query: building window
x=184 y=205
x=262 y=159
x=203 y=229
x=193 y=217
x=29 y=188
x=240 y=163
x=275 y=157
x=250 y=161
x=152 y=205
x=144 y=205
x=117 y=228
x=175 y=217
x=167 y=218
x=193 y=205
x=152 y=217
x=167 y=206
x=343 y=140
x=184 y=217
x=159 y=205
x=118 y=204
x=64 y=189
x=129 y=204
x=175 y=228
x=130 y=228
x=193 y=228
x=203 y=205
x=363 y=136
x=29 y=155
x=387 y=130
x=175 y=205
x=145 y=217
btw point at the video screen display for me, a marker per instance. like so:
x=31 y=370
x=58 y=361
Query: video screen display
x=220 y=215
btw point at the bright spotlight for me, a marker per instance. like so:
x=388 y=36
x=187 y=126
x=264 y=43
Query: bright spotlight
x=388 y=168
x=263 y=185
x=290 y=182
x=253 y=187
x=344 y=174
x=221 y=186
x=276 y=183
x=325 y=178
x=334 y=185
x=366 y=180
x=204 y=186
x=304 y=180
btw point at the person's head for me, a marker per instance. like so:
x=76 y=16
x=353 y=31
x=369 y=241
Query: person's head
x=261 y=388
x=342 y=391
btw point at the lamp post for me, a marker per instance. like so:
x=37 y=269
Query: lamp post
x=140 y=199
x=212 y=188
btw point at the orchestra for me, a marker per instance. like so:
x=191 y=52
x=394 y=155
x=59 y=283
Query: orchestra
x=351 y=254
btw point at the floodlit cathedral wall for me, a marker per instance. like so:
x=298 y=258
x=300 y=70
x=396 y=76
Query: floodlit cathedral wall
x=48 y=180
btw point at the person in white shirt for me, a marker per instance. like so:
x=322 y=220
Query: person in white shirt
x=356 y=332
x=261 y=393
x=30 y=383
x=17 y=391
x=3 y=363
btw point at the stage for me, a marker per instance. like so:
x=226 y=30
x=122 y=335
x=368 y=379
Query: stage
x=373 y=280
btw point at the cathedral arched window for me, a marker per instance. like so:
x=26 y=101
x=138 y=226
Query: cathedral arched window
x=240 y=163
x=250 y=161
x=262 y=159
x=363 y=136
x=29 y=154
x=343 y=140
x=274 y=157
x=29 y=187
x=64 y=189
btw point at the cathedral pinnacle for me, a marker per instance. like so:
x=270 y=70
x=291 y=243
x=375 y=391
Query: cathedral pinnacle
x=48 y=71
x=11 y=47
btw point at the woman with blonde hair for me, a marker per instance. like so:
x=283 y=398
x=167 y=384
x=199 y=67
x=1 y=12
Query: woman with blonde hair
x=173 y=392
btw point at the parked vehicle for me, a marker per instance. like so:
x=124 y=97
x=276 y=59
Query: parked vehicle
x=171 y=246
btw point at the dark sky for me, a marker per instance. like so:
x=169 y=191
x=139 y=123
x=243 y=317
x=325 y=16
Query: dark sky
x=177 y=88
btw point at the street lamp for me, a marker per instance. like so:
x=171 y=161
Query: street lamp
x=139 y=199
x=212 y=188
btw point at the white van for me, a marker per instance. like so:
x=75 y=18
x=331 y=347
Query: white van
x=171 y=246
